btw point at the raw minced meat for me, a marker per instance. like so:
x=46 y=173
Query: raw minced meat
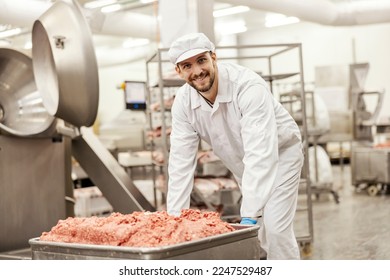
x=139 y=229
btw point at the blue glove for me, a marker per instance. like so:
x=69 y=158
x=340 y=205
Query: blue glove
x=248 y=221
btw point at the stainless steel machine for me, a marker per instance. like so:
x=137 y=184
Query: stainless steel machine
x=355 y=123
x=342 y=87
x=47 y=104
x=369 y=165
x=363 y=119
x=33 y=164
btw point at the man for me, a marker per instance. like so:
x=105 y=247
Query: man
x=232 y=109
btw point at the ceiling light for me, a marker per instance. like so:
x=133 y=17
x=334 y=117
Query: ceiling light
x=10 y=32
x=273 y=20
x=99 y=4
x=230 y=11
x=111 y=8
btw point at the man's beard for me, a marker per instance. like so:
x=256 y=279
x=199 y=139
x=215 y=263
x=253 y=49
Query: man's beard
x=206 y=87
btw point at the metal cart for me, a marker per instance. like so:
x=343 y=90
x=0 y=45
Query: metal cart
x=370 y=169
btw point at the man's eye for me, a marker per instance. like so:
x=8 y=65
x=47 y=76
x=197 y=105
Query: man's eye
x=186 y=66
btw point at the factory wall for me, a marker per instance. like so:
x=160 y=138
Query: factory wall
x=111 y=101
x=328 y=45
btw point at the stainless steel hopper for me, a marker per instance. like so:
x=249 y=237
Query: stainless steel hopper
x=65 y=66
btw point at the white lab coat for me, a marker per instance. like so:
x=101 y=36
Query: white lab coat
x=247 y=129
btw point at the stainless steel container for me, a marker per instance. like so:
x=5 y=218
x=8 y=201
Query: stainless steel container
x=240 y=244
x=370 y=165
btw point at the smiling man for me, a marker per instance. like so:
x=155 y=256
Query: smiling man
x=232 y=109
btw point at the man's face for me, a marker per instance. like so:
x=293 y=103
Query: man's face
x=198 y=71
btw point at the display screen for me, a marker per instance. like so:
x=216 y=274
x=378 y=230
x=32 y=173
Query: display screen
x=135 y=95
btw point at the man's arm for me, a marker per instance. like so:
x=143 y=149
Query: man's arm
x=182 y=160
x=260 y=140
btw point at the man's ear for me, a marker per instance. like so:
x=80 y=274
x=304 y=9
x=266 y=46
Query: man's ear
x=213 y=55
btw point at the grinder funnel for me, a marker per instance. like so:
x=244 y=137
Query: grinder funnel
x=64 y=63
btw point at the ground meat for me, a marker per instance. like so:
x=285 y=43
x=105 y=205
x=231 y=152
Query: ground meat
x=139 y=229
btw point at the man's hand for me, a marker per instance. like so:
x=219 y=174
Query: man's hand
x=248 y=221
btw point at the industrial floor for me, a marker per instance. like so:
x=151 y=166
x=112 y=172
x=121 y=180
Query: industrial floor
x=357 y=228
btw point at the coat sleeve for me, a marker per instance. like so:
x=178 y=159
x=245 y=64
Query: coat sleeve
x=184 y=142
x=260 y=141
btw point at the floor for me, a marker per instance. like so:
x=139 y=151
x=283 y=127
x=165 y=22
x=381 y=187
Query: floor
x=357 y=228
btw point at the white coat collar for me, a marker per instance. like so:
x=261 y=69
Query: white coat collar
x=224 y=94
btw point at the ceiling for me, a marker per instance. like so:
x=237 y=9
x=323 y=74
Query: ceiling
x=111 y=48
x=112 y=36
x=252 y=18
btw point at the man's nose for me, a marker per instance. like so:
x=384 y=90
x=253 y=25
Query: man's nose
x=197 y=70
